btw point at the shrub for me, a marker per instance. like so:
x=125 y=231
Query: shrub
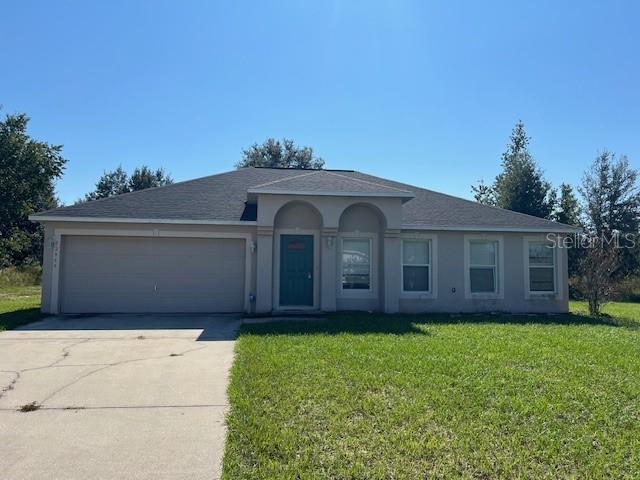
x=20 y=276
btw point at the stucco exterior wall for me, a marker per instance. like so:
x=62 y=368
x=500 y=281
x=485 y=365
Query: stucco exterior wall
x=379 y=217
x=451 y=273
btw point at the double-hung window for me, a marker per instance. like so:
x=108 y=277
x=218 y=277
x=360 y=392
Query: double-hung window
x=356 y=264
x=542 y=267
x=483 y=266
x=416 y=266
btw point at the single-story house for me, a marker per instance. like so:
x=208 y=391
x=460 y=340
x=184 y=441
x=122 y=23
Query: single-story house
x=265 y=240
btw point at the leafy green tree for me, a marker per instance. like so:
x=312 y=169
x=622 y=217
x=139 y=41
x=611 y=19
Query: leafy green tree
x=118 y=181
x=275 y=154
x=28 y=170
x=143 y=177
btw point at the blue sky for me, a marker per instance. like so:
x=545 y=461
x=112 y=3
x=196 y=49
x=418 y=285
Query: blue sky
x=422 y=92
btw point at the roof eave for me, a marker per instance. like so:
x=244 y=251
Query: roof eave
x=176 y=221
x=490 y=228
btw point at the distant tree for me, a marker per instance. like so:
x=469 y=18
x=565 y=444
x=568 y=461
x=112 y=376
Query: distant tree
x=611 y=196
x=611 y=201
x=144 y=177
x=521 y=186
x=286 y=154
x=118 y=181
x=567 y=211
x=28 y=170
x=483 y=193
x=110 y=183
x=567 y=208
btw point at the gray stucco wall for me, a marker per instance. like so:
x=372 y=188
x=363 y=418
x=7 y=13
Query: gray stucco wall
x=450 y=279
x=449 y=255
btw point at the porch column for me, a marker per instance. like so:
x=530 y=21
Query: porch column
x=264 y=274
x=392 y=270
x=328 y=262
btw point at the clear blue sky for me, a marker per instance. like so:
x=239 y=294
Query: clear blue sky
x=422 y=92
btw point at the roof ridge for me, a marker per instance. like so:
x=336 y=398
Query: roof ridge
x=284 y=179
x=368 y=182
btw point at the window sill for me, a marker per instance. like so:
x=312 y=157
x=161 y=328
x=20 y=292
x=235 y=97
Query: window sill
x=418 y=295
x=484 y=296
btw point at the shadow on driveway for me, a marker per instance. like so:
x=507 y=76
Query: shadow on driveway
x=214 y=327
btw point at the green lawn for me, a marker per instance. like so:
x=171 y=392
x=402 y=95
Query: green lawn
x=19 y=305
x=366 y=396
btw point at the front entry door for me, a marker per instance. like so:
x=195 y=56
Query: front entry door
x=296 y=270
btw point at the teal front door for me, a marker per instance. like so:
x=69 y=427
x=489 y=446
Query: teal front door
x=296 y=270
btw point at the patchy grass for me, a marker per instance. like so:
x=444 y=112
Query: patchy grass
x=380 y=397
x=613 y=310
x=19 y=305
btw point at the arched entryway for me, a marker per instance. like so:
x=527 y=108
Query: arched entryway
x=360 y=281
x=297 y=227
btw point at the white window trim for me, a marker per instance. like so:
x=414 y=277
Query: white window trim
x=372 y=292
x=316 y=268
x=433 y=266
x=499 y=284
x=557 y=284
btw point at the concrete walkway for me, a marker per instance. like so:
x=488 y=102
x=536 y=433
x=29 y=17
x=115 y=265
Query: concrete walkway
x=127 y=396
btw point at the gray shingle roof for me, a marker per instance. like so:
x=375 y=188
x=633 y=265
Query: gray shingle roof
x=324 y=181
x=222 y=197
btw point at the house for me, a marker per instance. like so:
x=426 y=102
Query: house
x=267 y=240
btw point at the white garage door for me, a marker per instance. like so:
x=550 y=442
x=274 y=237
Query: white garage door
x=142 y=274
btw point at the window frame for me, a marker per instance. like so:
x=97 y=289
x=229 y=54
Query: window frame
x=432 y=238
x=527 y=270
x=498 y=292
x=429 y=243
x=357 y=292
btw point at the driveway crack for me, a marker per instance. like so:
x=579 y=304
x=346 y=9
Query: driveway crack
x=12 y=383
x=110 y=365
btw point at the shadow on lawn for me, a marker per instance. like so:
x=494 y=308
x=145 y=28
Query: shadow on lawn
x=398 y=324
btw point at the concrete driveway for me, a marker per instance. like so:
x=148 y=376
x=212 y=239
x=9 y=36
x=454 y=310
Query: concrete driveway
x=126 y=396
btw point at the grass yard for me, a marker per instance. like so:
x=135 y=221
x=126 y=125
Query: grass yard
x=19 y=305
x=366 y=396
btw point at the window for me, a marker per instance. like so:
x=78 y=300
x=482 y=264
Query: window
x=483 y=266
x=356 y=264
x=542 y=270
x=416 y=261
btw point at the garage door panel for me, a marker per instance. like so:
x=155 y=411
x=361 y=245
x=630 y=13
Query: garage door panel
x=151 y=274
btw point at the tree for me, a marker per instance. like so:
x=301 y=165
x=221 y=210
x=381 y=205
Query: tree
x=611 y=197
x=28 y=170
x=275 y=154
x=568 y=212
x=484 y=193
x=117 y=181
x=521 y=186
x=611 y=201
x=567 y=208
x=596 y=270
